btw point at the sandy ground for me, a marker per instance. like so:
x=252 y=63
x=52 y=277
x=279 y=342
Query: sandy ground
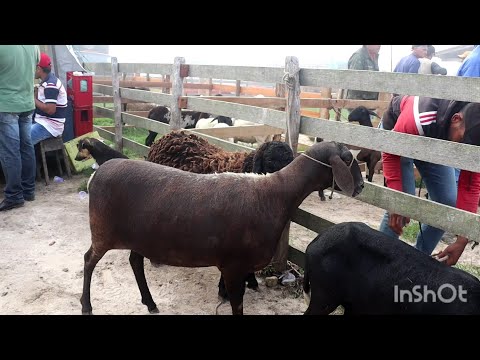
x=43 y=243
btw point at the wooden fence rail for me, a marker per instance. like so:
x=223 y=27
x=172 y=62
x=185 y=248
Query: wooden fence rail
x=422 y=148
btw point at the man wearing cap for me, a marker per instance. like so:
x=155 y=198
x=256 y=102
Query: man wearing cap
x=456 y=121
x=17 y=156
x=50 y=103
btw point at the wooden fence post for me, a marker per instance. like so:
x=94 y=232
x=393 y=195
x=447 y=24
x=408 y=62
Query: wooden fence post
x=210 y=82
x=238 y=89
x=177 y=89
x=338 y=113
x=325 y=93
x=117 y=106
x=166 y=90
x=279 y=92
x=292 y=111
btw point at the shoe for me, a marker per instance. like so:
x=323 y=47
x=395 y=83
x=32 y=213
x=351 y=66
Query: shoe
x=29 y=197
x=7 y=206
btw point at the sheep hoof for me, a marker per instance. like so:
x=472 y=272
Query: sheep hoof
x=87 y=312
x=154 y=310
x=155 y=265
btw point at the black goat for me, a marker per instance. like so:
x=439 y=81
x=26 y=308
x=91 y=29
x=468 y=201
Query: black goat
x=162 y=114
x=367 y=272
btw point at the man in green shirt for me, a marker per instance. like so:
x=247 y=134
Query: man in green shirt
x=365 y=58
x=17 y=156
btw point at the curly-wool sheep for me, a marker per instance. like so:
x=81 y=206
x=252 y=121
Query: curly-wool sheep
x=192 y=153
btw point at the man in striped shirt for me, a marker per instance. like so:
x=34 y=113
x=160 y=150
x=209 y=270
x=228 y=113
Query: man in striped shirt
x=456 y=121
x=50 y=103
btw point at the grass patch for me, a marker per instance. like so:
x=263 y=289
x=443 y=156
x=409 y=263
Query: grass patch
x=135 y=134
x=302 y=147
x=410 y=232
x=103 y=122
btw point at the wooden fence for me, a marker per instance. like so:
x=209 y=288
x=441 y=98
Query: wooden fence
x=265 y=111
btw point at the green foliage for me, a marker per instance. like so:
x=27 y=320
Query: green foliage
x=136 y=134
x=410 y=231
x=103 y=122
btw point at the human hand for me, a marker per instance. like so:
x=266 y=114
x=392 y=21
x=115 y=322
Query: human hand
x=453 y=251
x=397 y=222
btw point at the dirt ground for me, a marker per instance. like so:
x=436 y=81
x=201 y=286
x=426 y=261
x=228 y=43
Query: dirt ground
x=43 y=243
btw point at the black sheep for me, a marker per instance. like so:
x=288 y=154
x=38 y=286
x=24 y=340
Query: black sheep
x=367 y=272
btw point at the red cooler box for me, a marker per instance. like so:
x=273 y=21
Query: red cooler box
x=80 y=89
x=82 y=121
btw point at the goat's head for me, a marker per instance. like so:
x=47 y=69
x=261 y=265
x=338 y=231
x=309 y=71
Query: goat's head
x=85 y=147
x=345 y=170
x=362 y=115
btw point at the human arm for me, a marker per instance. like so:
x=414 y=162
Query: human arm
x=437 y=69
x=49 y=106
x=467 y=199
x=400 y=116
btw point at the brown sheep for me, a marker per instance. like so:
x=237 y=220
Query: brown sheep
x=189 y=152
x=179 y=218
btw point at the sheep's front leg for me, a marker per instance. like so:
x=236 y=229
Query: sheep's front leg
x=235 y=284
x=136 y=261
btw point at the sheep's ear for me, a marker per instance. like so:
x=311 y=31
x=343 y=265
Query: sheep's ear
x=342 y=175
x=373 y=113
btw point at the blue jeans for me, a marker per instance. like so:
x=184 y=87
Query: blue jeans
x=17 y=155
x=457 y=175
x=442 y=188
x=39 y=133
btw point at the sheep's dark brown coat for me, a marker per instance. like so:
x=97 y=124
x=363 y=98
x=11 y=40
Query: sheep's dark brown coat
x=189 y=152
x=179 y=218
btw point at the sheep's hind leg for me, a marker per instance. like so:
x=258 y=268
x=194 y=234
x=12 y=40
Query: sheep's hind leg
x=222 y=290
x=252 y=282
x=235 y=284
x=91 y=259
x=136 y=261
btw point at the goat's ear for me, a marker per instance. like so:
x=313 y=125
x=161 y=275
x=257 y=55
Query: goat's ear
x=373 y=113
x=342 y=175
